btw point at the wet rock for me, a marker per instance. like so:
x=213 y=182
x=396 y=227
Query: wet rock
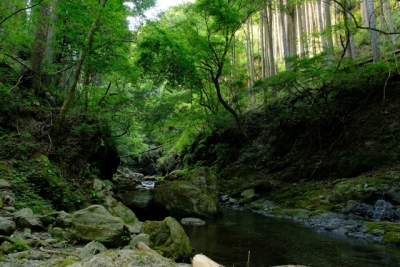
x=381 y=210
x=25 y=218
x=169 y=237
x=193 y=221
x=224 y=198
x=7 y=227
x=96 y=223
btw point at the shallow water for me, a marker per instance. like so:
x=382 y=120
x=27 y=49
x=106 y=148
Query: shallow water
x=273 y=241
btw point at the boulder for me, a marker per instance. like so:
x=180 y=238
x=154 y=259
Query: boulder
x=60 y=218
x=125 y=257
x=7 y=247
x=63 y=219
x=7 y=197
x=140 y=238
x=7 y=227
x=25 y=218
x=102 y=188
x=193 y=194
x=142 y=199
x=169 y=237
x=120 y=210
x=95 y=223
x=248 y=196
x=127 y=173
x=91 y=249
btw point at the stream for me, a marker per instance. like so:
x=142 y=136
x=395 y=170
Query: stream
x=274 y=241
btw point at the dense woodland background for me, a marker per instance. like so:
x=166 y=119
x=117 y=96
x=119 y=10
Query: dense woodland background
x=243 y=86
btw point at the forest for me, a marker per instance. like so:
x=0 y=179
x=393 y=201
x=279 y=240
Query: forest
x=279 y=96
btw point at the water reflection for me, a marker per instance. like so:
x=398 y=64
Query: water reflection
x=274 y=241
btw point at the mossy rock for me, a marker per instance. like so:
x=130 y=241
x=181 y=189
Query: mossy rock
x=391 y=231
x=120 y=210
x=95 y=223
x=47 y=171
x=169 y=237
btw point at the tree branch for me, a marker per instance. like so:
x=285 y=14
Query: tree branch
x=19 y=10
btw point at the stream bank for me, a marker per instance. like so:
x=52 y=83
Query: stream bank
x=365 y=207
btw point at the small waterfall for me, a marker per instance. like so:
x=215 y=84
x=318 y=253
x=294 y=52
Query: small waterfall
x=146 y=185
x=379 y=209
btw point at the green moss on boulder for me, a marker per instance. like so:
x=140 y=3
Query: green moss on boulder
x=169 y=237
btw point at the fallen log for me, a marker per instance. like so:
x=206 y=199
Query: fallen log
x=203 y=261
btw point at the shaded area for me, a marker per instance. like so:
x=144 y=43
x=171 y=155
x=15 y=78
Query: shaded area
x=273 y=241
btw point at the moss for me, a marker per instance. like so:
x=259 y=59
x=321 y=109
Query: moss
x=64 y=262
x=47 y=171
x=391 y=231
x=392 y=238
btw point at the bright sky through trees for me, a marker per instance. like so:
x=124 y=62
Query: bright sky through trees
x=161 y=5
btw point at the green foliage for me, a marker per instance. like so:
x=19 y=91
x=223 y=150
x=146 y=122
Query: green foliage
x=20 y=244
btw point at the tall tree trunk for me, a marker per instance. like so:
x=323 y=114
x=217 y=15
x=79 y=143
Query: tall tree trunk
x=389 y=19
x=49 y=53
x=328 y=28
x=321 y=26
x=39 y=47
x=364 y=13
x=374 y=34
x=299 y=25
x=270 y=40
x=305 y=29
x=262 y=46
x=71 y=90
x=250 y=60
x=285 y=45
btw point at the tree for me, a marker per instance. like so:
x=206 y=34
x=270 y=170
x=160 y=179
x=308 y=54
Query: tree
x=373 y=33
x=39 y=46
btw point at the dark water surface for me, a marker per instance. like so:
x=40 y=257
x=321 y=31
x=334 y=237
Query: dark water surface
x=273 y=241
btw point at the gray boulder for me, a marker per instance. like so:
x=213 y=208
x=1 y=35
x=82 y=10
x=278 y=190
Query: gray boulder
x=95 y=223
x=192 y=194
x=7 y=227
x=169 y=237
x=25 y=218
